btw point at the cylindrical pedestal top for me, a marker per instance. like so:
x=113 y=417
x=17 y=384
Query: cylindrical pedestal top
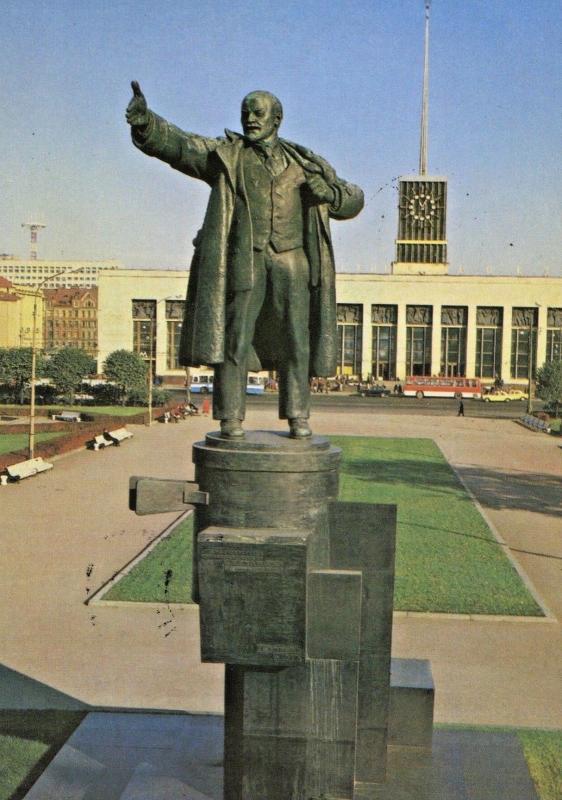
x=266 y=451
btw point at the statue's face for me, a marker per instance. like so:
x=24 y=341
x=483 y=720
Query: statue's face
x=259 y=121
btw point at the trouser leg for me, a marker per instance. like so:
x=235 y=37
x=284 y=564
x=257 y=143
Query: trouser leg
x=289 y=276
x=242 y=309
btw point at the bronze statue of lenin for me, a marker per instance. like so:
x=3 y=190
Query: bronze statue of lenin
x=261 y=292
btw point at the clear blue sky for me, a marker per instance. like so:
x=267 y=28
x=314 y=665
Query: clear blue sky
x=349 y=75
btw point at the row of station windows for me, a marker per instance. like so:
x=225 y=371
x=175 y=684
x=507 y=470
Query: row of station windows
x=454 y=343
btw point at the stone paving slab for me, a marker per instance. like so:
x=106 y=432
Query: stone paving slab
x=179 y=757
x=70 y=776
x=147 y=784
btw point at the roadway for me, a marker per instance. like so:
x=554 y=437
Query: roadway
x=344 y=402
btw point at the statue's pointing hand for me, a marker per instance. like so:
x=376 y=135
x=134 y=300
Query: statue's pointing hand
x=137 y=110
x=321 y=192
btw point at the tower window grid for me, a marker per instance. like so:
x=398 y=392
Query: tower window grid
x=453 y=341
x=144 y=329
x=523 y=342
x=418 y=339
x=350 y=339
x=554 y=335
x=383 y=341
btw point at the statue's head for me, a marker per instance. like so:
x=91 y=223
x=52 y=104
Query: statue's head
x=262 y=113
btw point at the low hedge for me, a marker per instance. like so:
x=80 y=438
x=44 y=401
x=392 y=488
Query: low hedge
x=15 y=411
x=78 y=434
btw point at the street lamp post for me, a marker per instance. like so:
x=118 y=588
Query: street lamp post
x=530 y=380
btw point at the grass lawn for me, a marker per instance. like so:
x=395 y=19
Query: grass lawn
x=164 y=576
x=10 y=442
x=447 y=558
x=543 y=753
x=28 y=741
x=115 y=411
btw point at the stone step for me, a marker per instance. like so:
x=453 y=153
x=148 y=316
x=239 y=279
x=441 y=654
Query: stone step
x=69 y=776
x=107 y=753
x=148 y=784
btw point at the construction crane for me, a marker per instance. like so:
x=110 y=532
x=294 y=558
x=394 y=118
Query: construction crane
x=33 y=228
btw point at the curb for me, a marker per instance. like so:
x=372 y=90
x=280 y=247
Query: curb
x=436 y=616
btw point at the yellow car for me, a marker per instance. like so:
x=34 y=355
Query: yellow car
x=505 y=397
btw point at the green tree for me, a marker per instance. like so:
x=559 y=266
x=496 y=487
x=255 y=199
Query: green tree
x=15 y=369
x=549 y=383
x=127 y=369
x=67 y=368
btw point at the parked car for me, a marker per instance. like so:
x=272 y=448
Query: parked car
x=373 y=391
x=505 y=396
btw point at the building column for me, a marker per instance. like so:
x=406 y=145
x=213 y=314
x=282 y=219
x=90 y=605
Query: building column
x=471 y=342
x=401 y=341
x=436 y=341
x=366 y=342
x=542 y=324
x=506 y=344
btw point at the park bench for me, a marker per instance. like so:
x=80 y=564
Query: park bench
x=119 y=435
x=534 y=424
x=26 y=469
x=67 y=416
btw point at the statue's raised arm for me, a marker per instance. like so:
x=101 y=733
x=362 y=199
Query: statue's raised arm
x=137 y=110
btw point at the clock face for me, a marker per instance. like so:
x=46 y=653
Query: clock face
x=421 y=207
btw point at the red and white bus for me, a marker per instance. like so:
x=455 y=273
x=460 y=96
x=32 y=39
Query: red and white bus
x=460 y=388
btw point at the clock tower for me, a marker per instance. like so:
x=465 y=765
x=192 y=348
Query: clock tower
x=421 y=244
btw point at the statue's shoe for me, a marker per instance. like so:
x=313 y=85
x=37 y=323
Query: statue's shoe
x=299 y=428
x=231 y=428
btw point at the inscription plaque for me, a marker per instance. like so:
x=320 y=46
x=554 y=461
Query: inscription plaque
x=252 y=586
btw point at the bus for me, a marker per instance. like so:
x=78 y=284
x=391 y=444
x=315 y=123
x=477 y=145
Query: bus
x=203 y=384
x=459 y=388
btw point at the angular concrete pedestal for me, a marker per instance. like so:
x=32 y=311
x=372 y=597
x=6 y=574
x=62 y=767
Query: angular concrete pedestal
x=295 y=592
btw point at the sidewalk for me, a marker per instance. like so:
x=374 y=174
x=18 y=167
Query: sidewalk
x=66 y=532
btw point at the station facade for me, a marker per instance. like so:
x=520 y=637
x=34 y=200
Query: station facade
x=389 y=326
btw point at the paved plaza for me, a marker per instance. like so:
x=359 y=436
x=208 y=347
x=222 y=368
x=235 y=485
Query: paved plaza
x=67 y=532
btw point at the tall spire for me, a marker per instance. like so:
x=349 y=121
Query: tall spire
x=425 y=96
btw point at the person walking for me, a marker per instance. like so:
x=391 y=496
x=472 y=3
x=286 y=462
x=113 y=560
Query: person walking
x=461 y=409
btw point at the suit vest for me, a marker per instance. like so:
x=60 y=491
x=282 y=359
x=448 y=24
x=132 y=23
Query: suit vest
x=275 y=204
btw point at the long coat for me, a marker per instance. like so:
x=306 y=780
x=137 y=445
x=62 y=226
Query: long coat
x=223 y=257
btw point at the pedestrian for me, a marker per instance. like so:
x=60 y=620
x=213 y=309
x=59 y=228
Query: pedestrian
x=461 y=409
x=206 y=406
